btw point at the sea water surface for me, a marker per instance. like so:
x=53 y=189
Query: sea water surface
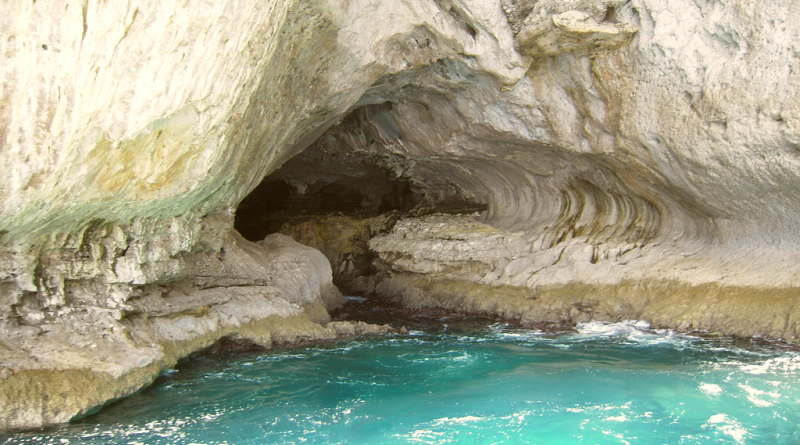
x=474 y=383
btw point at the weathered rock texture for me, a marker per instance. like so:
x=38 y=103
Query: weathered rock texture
x=465 y=265
x=638 y=152
x=616 y=144
x=275 y=291
x=344 y=240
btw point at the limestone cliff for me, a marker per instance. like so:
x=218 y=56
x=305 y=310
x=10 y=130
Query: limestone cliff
x=615 y=144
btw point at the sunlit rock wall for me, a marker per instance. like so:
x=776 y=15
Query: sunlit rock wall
x=149 y=118
x=613 y=142
x=129 y=134
x=648 y=142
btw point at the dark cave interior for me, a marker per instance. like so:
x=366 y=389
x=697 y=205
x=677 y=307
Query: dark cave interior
x=275 y=202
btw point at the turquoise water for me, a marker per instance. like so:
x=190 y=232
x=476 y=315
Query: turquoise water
x=467 y=384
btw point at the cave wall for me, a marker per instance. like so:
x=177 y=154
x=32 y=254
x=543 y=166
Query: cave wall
x=129 y=134
x=649 y=157
x=612 y=142
x=155 y=119
x=634 y=172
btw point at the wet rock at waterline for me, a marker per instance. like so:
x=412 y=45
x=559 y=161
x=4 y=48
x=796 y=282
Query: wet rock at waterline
x=459 y=263
x=631 y=158
x=272 y=292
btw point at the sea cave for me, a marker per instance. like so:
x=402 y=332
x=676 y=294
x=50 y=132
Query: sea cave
x=191 y=186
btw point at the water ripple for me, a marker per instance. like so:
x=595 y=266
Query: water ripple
x=620 y=383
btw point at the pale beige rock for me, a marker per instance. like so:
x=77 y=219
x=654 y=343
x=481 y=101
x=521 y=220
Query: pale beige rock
x=554 y=27
x=612 y=141
x=573 y=281
x=130 y=132
x=145 y=132
x=273 y=293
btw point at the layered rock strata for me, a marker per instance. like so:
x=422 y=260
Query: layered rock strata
x=464 y=265
x=272 y=292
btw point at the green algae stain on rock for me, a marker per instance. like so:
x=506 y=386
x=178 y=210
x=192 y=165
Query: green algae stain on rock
x=160 y=163
x=30 y=397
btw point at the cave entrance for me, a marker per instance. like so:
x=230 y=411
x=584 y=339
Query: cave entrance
x=282 y=199
x=337 y=217
x=334 y=196
x=347 y=187
x=346 y=172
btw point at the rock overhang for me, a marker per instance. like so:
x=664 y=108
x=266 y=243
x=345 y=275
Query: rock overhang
x=612 y=141
x=607 y=121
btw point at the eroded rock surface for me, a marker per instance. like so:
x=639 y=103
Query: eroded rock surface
x=614 y=144
x=344 y=240
x=275 y=291
x=461 y=264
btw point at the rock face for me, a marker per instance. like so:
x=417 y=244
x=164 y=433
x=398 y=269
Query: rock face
x=649 y=148
x=345 y=243
x=462 y=264
x=633 y=154
x=276 y=291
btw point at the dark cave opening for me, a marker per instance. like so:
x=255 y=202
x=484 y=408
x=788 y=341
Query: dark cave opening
x=276 y=202
x=347 y=171
x=332 y=203
x=352 y=184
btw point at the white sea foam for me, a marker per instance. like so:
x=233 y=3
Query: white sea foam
x=711 y=389
x=423 y=436
x=636 y=332
x=457 y=420
x=465 y=357
x=619 y=418
x=612 y=329
x=633 y=331
x=718 y=418
x=786 y=364
x=730 y=427
x=619 y=436
x=520 y=336
x=756 y=396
